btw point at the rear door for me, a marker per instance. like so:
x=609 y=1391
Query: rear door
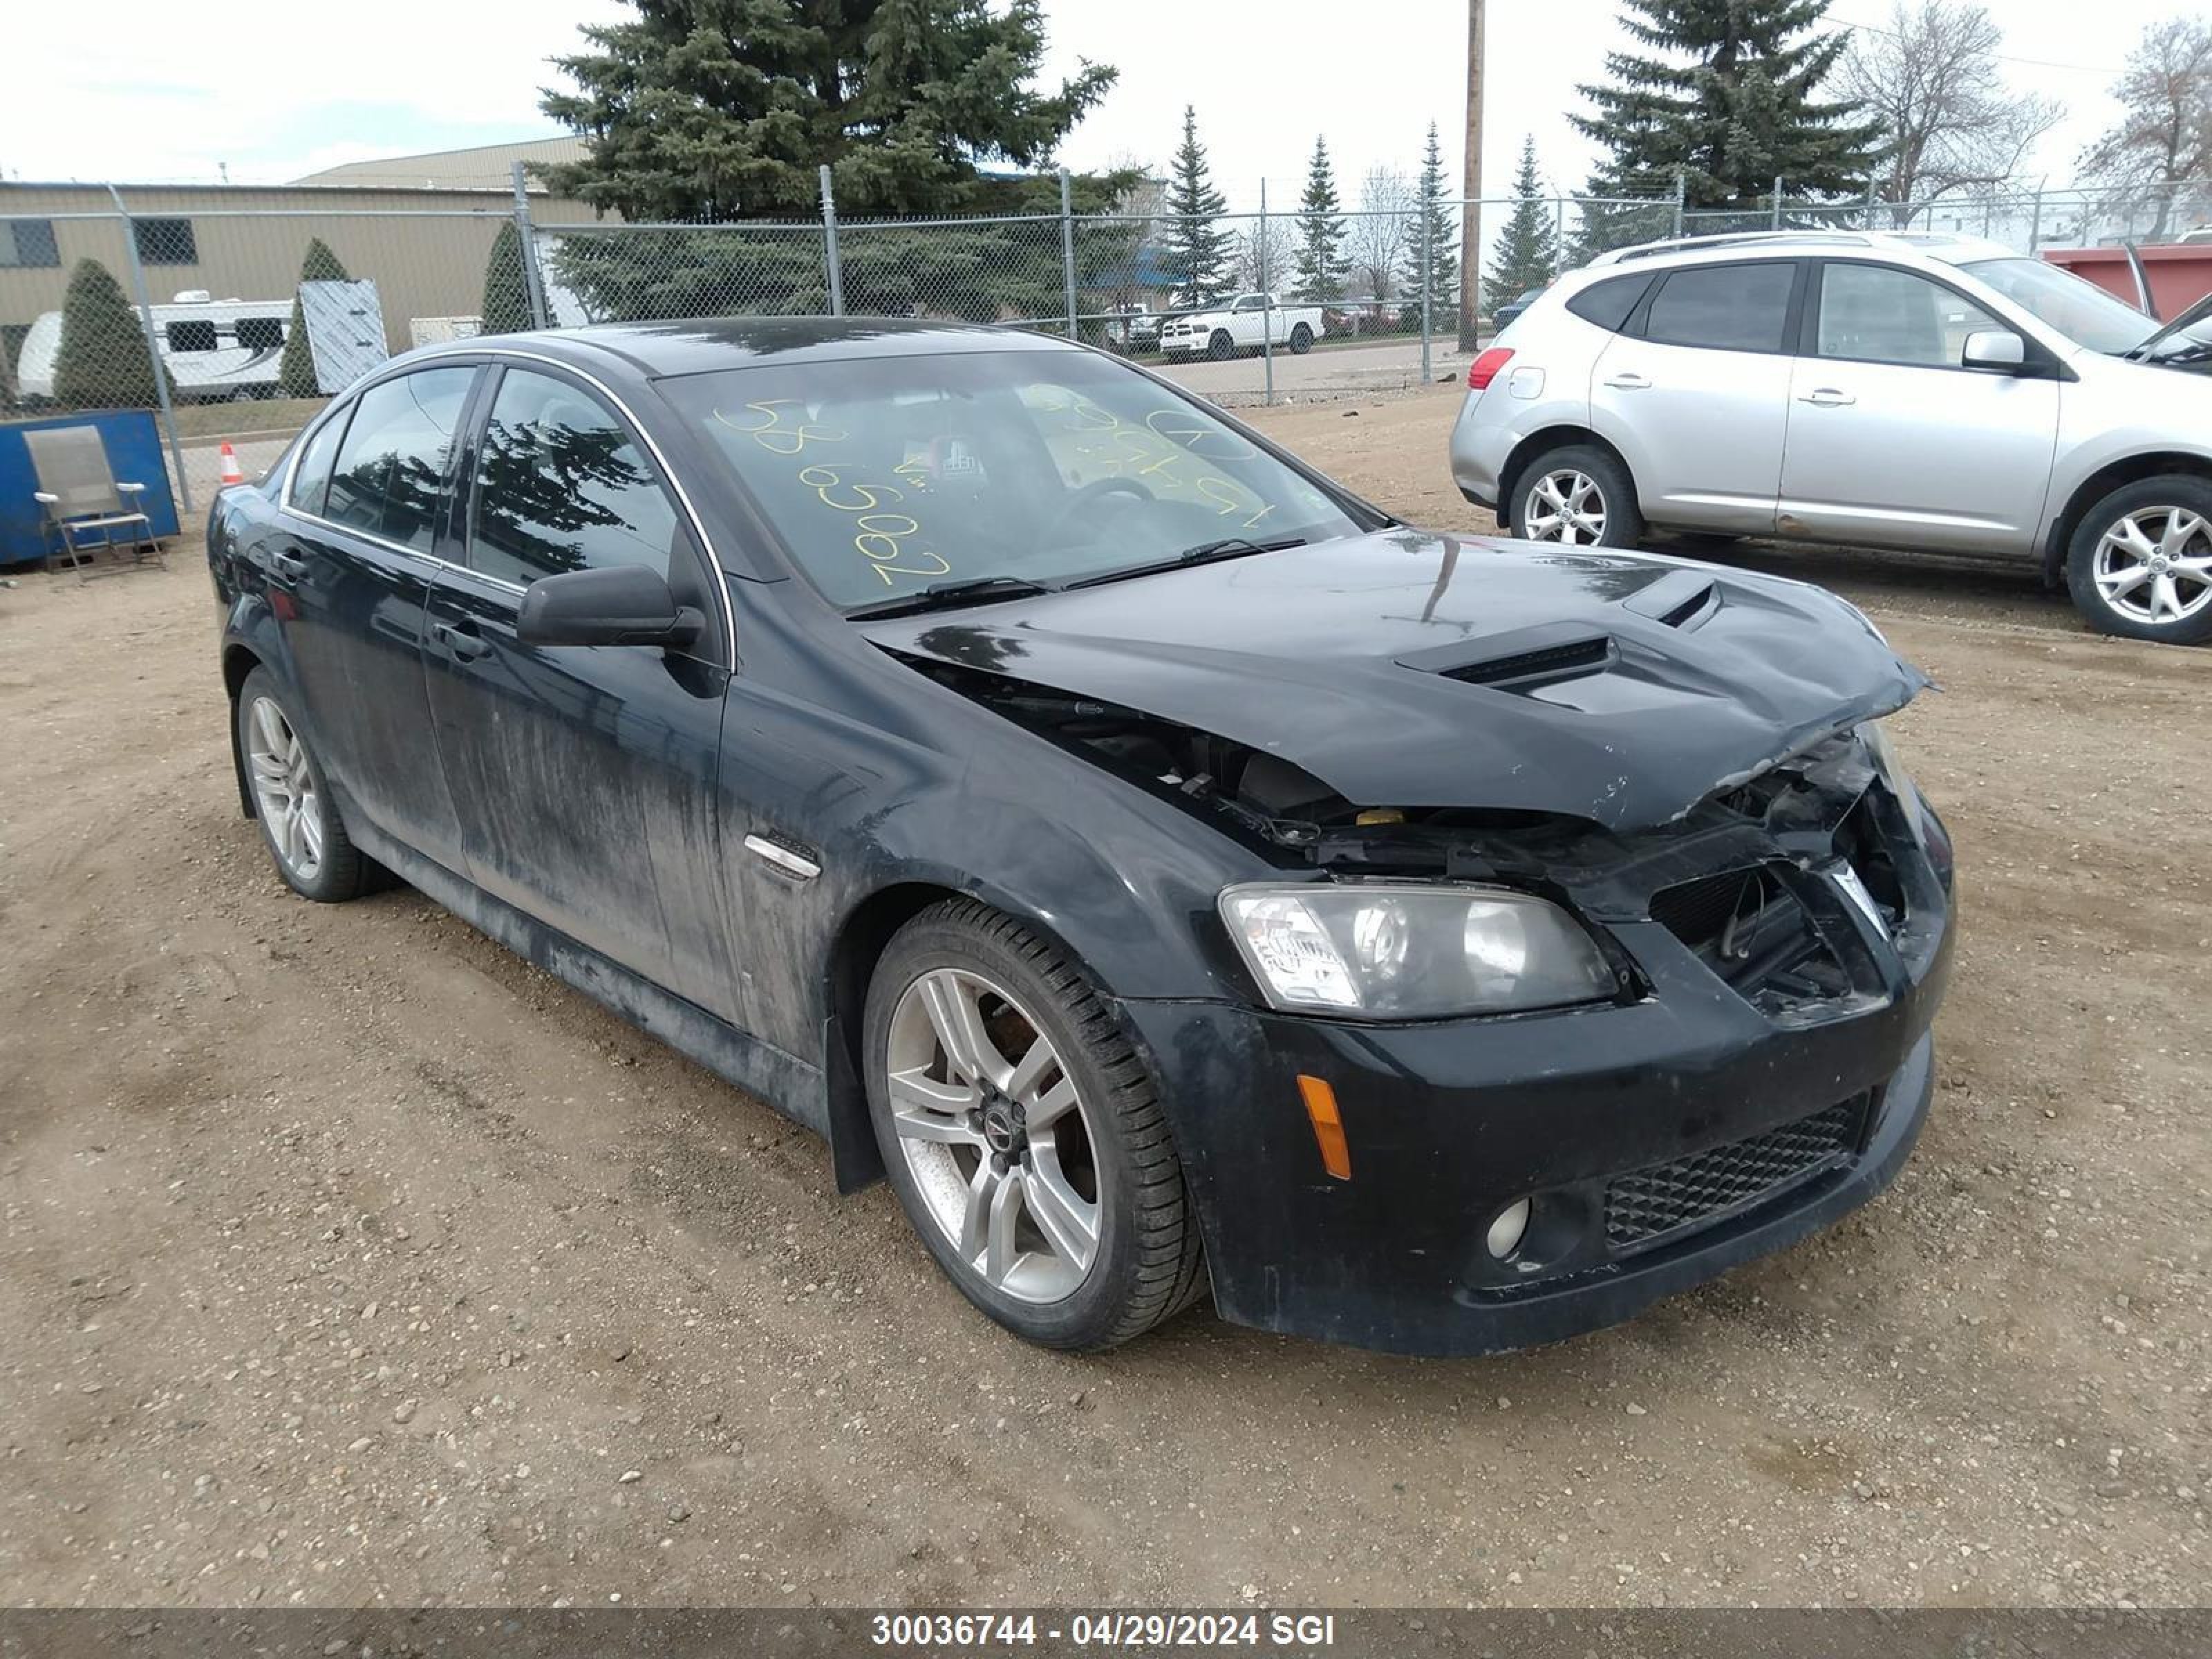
x=583 y=775
x=1891 y=441
x=349 y=573
x=1695 y=393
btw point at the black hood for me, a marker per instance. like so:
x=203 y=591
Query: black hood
x=1414 y=670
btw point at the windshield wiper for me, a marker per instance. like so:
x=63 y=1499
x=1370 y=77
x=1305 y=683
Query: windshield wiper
x=1229 y=547
x=944 y=595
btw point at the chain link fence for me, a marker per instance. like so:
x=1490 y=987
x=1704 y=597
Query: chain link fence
x=235 y=322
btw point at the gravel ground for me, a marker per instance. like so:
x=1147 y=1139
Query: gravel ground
x=345 y=1258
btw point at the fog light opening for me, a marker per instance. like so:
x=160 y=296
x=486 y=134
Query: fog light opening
x=1510 y=1227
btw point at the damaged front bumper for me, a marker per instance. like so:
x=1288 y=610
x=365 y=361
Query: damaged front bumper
x=1767 y=1069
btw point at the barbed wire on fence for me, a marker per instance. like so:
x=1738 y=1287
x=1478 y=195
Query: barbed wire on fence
x=192 y=305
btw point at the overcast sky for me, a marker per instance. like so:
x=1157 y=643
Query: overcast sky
x=151 y=90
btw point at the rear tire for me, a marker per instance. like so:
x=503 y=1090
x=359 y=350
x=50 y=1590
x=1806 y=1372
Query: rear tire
x=300 y=824
x=1576 y=495
x=1047 y=1189
x=1301 y=340
x=2140 y=565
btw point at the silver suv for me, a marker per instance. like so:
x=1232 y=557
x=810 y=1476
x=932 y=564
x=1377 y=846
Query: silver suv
x=1877 y=389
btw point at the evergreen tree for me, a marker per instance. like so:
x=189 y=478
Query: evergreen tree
x=102 y=361
x=1196 y=245
x=296 y=369
x=1527 y=254
x=718 y=109
x=1435 y=228
x=506 y=304
x=1318 y=262
x=1727 y=99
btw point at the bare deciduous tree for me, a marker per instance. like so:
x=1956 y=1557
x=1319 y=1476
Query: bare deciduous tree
x=2163 y=144
x=1378 y=232
x=1931 y=77
x=1264 y=257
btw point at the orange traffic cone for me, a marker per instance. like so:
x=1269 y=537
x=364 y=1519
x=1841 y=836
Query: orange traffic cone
x=231 y=472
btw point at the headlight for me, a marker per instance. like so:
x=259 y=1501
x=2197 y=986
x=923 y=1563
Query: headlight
x=1385 y=950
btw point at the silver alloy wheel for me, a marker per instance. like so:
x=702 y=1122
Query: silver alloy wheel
x=999 y=1148
x=284 y=790
x=1567 y=506
x=2156 y=565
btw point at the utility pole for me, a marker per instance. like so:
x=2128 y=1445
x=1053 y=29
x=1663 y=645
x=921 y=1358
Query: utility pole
x=1470 y=216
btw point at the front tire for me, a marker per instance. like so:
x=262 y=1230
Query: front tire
x=1221 y=348
x=1022 y=1134
x=299 y=822
x=1577 y=496
x=2140 y=562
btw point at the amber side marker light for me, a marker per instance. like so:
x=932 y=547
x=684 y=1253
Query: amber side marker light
x=1327 y=1127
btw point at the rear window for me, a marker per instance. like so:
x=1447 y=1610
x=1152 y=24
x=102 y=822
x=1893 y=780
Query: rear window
x=1608 y=303
x=1724 y=308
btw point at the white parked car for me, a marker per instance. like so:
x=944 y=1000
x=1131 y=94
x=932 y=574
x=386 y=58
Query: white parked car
x=1250 y=322
x=1875 y=389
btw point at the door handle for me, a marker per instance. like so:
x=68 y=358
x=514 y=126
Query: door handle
x=287 y=566
x=462 y=643
x=1828 y=396
x=1628 y=382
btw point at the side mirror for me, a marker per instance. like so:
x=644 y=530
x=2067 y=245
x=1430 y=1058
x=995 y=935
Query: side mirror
x=1998 y=349
x=618 y=604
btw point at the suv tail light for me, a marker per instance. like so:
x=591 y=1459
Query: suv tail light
x=1484 y=369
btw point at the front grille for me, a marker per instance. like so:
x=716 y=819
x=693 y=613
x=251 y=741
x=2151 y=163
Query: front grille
x=1650 y=1204
x=1754 y=932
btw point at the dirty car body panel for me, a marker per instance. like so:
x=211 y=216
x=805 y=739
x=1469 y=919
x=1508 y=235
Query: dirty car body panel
x=1682 y=759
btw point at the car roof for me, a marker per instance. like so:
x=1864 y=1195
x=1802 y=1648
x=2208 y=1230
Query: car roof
x=699 y=345
x=1905 y=246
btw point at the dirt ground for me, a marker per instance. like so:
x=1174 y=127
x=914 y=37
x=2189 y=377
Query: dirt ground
x=346 y=1259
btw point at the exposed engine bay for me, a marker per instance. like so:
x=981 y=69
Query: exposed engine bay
x=1755 y=878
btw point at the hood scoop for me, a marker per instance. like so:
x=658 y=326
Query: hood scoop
x=1681 y=598
x=1548 y=665
x=1529 y=660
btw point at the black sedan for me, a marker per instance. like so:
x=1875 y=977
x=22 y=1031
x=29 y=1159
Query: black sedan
x=1178 y=876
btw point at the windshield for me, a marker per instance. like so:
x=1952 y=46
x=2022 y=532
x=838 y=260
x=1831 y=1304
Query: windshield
x=2076 y=307
x=887 y=476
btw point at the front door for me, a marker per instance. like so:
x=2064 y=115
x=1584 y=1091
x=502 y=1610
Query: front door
x=1695 y=395
x=349 y=584
x=1892 y=442
x=584 y=775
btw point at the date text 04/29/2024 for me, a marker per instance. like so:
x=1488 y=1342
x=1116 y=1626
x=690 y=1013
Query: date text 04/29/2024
x=1300 y=1631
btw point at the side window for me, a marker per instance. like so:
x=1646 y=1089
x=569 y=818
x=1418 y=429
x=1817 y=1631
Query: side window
x=1724 y=308
x=1608 y=303
x=391 y=465
x=1874 y=314
x=311 y=473
x=561 y=486
x=195 y=336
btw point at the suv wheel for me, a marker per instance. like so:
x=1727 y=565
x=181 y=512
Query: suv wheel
x=1301 y=340
x=1220 y=347
x=1578 y=497
x=1021 y=1132
x=2140 y=563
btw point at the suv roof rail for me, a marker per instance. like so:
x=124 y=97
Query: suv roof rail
x=1735 y=239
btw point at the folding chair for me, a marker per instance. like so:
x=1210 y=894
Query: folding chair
x=83 y=498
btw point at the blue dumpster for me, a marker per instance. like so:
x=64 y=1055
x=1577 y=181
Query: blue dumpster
x=134 y=451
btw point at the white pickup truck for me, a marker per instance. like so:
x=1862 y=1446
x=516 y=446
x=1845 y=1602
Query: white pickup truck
x=1248 y=323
